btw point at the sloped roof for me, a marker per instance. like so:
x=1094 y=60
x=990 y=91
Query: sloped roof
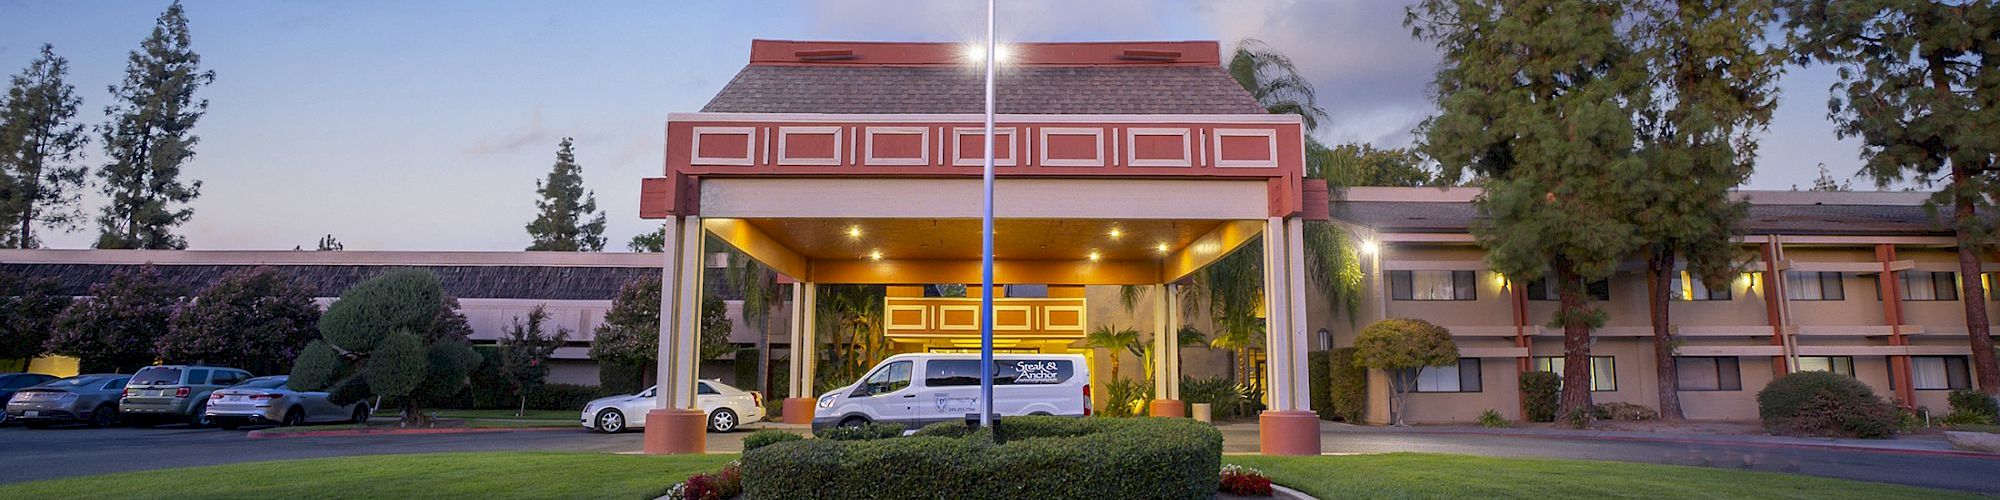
x=951 y=90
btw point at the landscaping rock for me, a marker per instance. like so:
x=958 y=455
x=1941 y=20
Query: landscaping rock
x=1984 y=442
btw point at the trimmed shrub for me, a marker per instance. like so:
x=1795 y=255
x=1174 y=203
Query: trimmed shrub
x=1623 y=411
x=1220 y=393
x=1126 y=398
x=1540 y=390
x=1491 y=419
x=1972 y=407
x=1055 y=457
x=1319 y=374
x=564 y=396
x=621 y=378
x=766 y=437
x=1824 y=404
x=944 y=429
x=875 y=430
x=1349 y=385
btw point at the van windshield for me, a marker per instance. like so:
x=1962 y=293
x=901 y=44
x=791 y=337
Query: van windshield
x=157 y=375
x=963 y=372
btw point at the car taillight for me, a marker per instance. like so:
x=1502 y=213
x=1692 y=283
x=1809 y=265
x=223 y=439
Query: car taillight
x=756 y=399
x=1086 y=400
x=215 y=396
x=181 y=392
x=128 y=393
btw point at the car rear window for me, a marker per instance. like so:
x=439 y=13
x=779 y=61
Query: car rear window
x=73 y=382
x=963 y=372
x=262 y=383
x=157 y=375
x=116 y=383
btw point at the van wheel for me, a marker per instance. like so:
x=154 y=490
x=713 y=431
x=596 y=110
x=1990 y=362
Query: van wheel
x=610 y=421
x=723 y=420
x=854 y=422
x=104 y=416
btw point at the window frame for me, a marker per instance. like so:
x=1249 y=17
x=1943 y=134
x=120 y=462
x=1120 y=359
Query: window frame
x=1938 y=291
x=1716 y=364
x=1593 y=291
x=1951 y=383
x=1833 y=364
x=1460 y=369
x=1820 y=283
x=1553 y=364
x=1695 y=284
x=1464 y=285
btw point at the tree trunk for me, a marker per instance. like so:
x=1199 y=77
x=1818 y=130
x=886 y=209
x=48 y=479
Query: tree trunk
x=1973 y=295
x=1576 y=341
x=764 y=350
x=1399 y=381
x=1660 y=267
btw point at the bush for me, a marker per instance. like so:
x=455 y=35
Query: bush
x=944 y=429
x=766 y=437
x=874 y=430
x=1623 y=411
x=746 y=368
x=1244 y=481
x=1319 y=375
x=621 y=378
x=1491 y=419
x=1055 y=457
x=564 y=396
x=1972 y=407
x=1824 y=404
x=1349 y=385
x=1220 y=393
x=1541 y=390
x=1126 y=398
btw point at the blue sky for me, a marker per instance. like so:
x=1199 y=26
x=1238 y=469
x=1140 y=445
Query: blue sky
x=400 y=125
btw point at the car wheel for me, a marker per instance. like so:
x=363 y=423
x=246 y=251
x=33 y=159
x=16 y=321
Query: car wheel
x=610 y=421
x=4 y=421
x=360 y=414
x=104 y=416
x=723 y=420
x=294 y=418
x=854 y=422
x=200 y=417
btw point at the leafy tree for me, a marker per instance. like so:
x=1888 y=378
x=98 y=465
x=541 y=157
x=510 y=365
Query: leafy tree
x=150 y=137
x=1402 y=348
x=115 y=329
x=28 y=311
x=329 y=244
x=1917 y=86
x=568 y=219
x=1365 y=165
x=849 y=317
x=1233 y=289
x=39 y=141
x=654 y=242
x=1826 y=182
x=1716 y=89
x=630 y=334
x=256 y=319
x=1539 y=99
x=1115 y=339
x=395 y=336
x=762 y=296
x=525 y=352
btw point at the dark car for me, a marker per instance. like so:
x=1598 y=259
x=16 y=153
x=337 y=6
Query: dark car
x=91 y=399
x=12 y=382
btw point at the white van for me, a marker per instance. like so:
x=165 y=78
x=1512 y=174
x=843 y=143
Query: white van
x=919 y=389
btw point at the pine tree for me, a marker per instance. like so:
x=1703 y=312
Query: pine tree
x=1538 y=97
x=39 y=140
x=1917 y=85
x=150 y=138
x=1715 y=93
x=568 y=220
x=1826 y=182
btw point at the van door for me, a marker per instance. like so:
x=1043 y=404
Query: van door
x=887 y=393
x=951 y=390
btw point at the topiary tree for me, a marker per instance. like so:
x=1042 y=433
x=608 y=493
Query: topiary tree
x=630 y=334
x=114 y=330
x=256 y=319
x=1402 y=348
x=395 y=336
x=525 y=352
x=28 y=311
x=1824 y=404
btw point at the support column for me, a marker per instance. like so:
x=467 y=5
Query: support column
x=1775 y=306
x=1289 y=427
x=1892 y=310
x=799 y=403
x=809 y=328
x=1165 y=341
x=676 y=424
x=1174 y=359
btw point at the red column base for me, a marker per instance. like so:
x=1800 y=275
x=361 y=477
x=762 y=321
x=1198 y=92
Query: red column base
x=676 y=431
x=799 y=410
x=1290 y=433
x=1169 y=408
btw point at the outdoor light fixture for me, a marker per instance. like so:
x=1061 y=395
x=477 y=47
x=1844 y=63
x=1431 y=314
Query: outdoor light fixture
x=875 y=255
x=975 y=52
x=1094 y=256
x=1162 y=248
x=1370 y=247
x=854 y=232
x=1116 y=233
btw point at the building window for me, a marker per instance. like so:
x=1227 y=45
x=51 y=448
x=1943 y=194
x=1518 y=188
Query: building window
x=1927 y=285
x=1603 y=371
x=1027 y=291
x=1709 y=373
x=1813 y=285
x=1940 y=373
x=1461 y=377
x=1544 y=289
x=1432 y=285
x=1843 y=365
x=1686 y=286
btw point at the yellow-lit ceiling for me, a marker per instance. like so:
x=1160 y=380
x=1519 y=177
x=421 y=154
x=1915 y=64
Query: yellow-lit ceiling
x=956 y=239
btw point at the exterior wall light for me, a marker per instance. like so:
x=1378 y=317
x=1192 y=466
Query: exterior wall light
x=1370 y=247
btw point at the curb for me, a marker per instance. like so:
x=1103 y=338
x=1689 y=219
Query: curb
x=391 y=432
x=1714 y=442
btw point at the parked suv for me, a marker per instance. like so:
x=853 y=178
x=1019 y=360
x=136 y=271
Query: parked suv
x=174 y=393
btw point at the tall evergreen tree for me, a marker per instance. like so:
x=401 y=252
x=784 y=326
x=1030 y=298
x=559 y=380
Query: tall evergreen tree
x=1538 y=97
x=150 y=138
x=568 y=219
x=1918 y=86
x=39 y=141
x=1714 y=93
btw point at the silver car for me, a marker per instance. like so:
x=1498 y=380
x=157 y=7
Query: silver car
x=266 y=400
x=90 y=399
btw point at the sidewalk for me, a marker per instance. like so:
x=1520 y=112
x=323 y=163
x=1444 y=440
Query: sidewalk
x=1930 y=444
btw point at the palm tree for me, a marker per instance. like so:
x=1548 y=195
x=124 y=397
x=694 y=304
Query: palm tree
x=762 y=295
x=1274 y=82
x=1115 y=339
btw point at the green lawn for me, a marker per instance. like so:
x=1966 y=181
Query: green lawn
x=500 y=475
x=311 y=428
x=1419 y=475
x=563 y=415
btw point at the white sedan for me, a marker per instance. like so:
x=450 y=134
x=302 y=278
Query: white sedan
x=727 y=408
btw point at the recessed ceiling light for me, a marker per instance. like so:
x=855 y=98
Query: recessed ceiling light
x=1116 y=233
x=854 y=231
x=1094 y=256
x=1162 y=248
x=875 y=255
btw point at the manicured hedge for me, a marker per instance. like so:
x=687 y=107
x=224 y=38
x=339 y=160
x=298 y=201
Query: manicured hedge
x=1540 y=390
x=1824 y=404
x=1039 y=457
x=1319 y=374
x=1349 y=383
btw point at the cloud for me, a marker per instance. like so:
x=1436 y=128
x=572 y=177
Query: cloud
x=533 y=134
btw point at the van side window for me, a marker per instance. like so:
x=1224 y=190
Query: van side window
x=965 y=372
x=891 y=378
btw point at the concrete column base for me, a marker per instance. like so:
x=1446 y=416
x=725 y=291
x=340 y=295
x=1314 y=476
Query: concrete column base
x=799 y=410
x=1169 y=408
x=676 y=431
x=1288 y=433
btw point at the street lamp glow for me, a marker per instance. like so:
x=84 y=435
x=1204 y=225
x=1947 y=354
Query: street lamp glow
x=1370 y=247
x=976 y=53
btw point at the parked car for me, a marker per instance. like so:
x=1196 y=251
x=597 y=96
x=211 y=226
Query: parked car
x=266 y=400
x=91 y=399
x=727 y=408
x=919 y=389
x=12 y=382
x=173 y=393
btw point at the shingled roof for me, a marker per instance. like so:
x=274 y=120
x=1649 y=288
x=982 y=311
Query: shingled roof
x=466 y=282
x=1428 y=210
x=948 y=90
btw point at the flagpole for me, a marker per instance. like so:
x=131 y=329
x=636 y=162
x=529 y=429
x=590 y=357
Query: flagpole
x=986 y=245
